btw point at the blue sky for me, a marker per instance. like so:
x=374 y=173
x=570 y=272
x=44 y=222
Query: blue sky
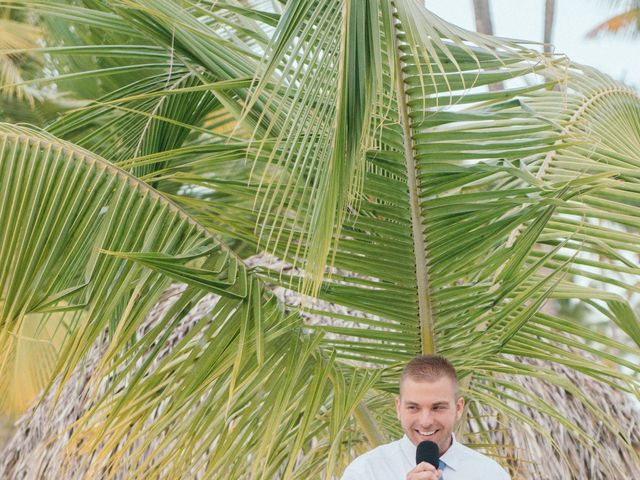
x=524 y=19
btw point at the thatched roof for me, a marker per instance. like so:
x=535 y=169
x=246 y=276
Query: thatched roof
x=535 y=454
x=39 y=444
x=35 y=450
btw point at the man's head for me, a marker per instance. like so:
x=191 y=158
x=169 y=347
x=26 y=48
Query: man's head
x=429 y=403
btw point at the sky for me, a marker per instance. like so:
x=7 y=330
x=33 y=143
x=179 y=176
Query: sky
x=524 y=19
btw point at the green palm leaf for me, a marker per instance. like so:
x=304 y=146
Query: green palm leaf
x=80 y=208
x=420 y=211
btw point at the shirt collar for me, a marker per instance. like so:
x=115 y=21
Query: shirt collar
x=453 y=455
x=408 y=448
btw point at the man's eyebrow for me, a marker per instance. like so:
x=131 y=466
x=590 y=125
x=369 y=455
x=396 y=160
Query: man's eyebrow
x=439 y=404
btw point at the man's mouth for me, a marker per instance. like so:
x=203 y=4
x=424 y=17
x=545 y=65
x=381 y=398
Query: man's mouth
x=426 y=433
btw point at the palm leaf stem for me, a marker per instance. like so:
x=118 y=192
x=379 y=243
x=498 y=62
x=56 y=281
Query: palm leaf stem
x=425 y=310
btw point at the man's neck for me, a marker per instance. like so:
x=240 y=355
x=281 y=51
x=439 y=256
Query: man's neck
x=448 y=446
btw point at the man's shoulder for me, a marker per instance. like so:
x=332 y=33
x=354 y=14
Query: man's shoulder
x=378 y=453
x=367 y=462
x=475 y=459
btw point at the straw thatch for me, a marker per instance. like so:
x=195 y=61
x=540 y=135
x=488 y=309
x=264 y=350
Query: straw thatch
x=37 y=448
x=535 y=454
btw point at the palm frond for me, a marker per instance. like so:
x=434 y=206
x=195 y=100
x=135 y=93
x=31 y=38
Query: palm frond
x=420 y=210
x=106 y=247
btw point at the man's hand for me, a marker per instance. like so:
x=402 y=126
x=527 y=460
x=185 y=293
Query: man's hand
x=424 y=471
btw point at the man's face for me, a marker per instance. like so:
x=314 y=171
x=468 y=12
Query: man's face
x=429 y=410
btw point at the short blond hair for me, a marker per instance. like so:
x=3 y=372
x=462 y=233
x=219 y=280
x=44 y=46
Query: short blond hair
x=429 y=368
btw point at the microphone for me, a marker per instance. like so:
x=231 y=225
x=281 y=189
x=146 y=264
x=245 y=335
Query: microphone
x=428 y=451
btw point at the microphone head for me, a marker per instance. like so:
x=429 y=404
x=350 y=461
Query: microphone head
x=428 y=451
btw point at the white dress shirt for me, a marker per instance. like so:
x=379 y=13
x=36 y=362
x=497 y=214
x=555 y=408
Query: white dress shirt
x=394 y=460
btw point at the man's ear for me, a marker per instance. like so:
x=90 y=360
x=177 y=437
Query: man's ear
x=398 y=407
x=459 y=408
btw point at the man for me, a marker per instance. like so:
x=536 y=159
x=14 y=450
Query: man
x=428 y=407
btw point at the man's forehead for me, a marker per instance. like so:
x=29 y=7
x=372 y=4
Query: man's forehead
x=442 y=387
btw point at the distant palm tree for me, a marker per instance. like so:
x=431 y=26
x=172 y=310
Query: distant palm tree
x=626 y=22
x=355 y=142
x=482 y=13
x=484 y=24
x=549 y=14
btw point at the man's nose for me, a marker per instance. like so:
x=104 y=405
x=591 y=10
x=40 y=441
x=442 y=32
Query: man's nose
x=425 y=418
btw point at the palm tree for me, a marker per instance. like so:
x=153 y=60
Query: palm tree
x=484 y=24
x=482 y=13
x=549 y=14
x=354 y=142
x=626 y=22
